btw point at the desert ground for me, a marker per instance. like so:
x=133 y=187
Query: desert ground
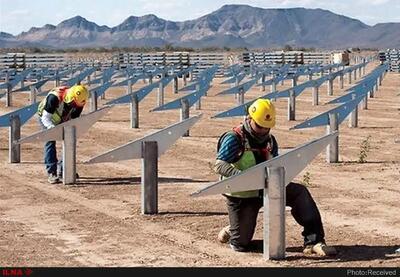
x=98 y=222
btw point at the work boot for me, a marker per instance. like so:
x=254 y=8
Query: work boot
x=60 y=175
x=53 y=179
x=320 y=249
x=238 y=248
x=224 y=235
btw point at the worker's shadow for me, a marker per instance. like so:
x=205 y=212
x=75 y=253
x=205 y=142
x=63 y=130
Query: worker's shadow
x=345 y=253
x=114 y=181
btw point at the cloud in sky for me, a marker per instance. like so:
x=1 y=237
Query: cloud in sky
x=19 y=15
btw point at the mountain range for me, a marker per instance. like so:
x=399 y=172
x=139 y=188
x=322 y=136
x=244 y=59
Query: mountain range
x=231 y=26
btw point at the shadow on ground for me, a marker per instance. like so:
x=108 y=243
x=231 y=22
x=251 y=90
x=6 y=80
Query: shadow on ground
x=346 y=253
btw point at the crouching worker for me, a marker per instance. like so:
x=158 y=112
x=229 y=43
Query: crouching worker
x=249 y=144
x=60 y=105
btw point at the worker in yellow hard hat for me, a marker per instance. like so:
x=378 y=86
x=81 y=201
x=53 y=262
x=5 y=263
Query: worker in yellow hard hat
x=249 y=144
x=61 y=104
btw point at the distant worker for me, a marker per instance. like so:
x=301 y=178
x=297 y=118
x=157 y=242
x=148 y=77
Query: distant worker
x=249 y=144
x=60 y=105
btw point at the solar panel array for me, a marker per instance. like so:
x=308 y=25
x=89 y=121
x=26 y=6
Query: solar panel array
x=392 y=58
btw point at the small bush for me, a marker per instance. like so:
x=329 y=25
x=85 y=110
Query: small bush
x=365 y=147
x=307 y=179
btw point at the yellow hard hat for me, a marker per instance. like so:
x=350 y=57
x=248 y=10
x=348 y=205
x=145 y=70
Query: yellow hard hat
x=262 y=111
x=77 y=94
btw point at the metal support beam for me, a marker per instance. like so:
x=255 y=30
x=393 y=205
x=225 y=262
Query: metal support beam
x=341 y=82
x=372 y=92
x=57 y=79
x=149 y=183
x=33 y=94
x=14 y=135
x=315 y=96
x=349 y=75
x=198 y=103
x=332 y=150
x=69 y=155
x=185 y=113
x=294 y=82
x=103 y=95
x=176 y=87
x=353 y=119
x=241 y=96
x=8 y=95
x=262 y=82
x=134 y=107
x=292 y=106
x=184 y=80
x=160 y=95
x=93 y=101
x=273 y=87
x=365 y=102
x=274 y=214
x=330 y=87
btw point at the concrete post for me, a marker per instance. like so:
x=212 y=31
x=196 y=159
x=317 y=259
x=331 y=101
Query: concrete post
x=274 y=214
x=332 y=150
x=14 y=135
x=149 y=183
x=349 y=75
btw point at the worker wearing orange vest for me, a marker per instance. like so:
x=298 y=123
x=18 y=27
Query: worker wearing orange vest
x=61 y=104
x=247 y=145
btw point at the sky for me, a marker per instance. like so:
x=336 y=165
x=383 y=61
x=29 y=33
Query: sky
x=17 y=16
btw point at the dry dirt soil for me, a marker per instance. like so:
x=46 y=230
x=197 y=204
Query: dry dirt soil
x=98 y=221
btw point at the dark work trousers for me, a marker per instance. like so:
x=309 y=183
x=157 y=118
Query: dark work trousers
x=50 y=155
x=243 y=215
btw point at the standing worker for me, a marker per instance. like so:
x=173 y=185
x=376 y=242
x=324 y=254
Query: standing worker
x=245 y=146
x=60 y=105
